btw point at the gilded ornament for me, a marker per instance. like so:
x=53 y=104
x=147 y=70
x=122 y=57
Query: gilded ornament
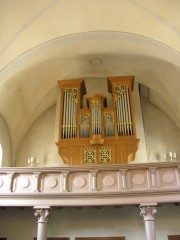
x=109 y=115
x=84 y=117
x=90 y=155
x=120 y=90
x=105 y=154
x=72 y=92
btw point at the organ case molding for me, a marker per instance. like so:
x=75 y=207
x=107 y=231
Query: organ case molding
x=98 y=134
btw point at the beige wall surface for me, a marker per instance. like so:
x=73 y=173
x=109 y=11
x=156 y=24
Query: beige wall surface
x=39 y=142
x=5 y=141
x=162 y=135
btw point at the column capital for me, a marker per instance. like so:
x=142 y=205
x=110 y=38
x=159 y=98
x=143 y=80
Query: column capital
x=43 y=213
x=94 y=173
x=148 y=211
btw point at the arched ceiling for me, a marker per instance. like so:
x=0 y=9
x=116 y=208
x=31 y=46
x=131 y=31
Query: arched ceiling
x=49 y=40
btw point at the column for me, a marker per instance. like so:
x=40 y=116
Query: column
x=36 y=181
x=10 y=176
x=43 y=214
x=64 y=181
x=123 y=177
x=148 y=211
x=94 y=180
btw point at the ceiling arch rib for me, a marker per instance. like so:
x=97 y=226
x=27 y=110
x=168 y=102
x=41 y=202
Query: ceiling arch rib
x=28 y=25
x=35 y=73
x=90 y=44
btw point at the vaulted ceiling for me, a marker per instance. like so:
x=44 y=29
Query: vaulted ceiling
x=48 y=40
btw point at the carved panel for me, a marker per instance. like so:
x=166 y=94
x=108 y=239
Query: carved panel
x=138 y=179
x=22 y=183
x=90 y=155
x=108 y=180
x=50 y=182
x=167 y=177
x=105 y=155
x=3 y=182
x=79 y=182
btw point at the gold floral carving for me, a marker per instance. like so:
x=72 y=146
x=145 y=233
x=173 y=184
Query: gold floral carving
x=109 y=115
x=95 y=103
x=72 y=92
x=120 y=90
x=84 y=117
x=90 y=155
x=105 y=154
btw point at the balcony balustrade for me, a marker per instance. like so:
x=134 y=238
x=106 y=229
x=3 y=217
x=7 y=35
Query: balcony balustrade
x=129 y=184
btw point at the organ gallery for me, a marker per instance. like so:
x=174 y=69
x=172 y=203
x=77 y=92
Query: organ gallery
x=97 y=134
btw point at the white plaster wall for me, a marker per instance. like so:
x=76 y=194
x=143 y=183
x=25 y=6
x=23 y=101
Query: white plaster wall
x=141 y=155
x=39 y=142
x=5 y=141
x=162 y=135
x=19 y=224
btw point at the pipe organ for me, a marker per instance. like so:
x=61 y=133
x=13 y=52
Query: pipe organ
x=98 y=134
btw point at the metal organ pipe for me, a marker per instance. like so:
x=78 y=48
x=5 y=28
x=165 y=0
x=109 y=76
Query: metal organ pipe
x=96 y=117
x=108 y=124
x=99 y=119
x=126 y=114
x=69 y=121
x=123 y=111
x=75 y=119
x=64 y=116
x=129 y=112
x=93 y=121
x=123 y=115
x=84 y=124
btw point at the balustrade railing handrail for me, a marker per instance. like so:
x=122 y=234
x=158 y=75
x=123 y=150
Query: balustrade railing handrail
x=163 y=164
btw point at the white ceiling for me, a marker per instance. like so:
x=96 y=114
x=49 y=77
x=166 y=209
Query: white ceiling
x=48 y=40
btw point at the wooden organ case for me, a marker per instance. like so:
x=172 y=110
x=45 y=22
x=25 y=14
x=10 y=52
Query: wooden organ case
x=97 y=135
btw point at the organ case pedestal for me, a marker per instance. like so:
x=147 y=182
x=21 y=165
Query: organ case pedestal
x=98 y=134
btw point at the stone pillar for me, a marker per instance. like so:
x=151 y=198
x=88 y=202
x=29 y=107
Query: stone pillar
x=148 y=211
x=43 y=214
